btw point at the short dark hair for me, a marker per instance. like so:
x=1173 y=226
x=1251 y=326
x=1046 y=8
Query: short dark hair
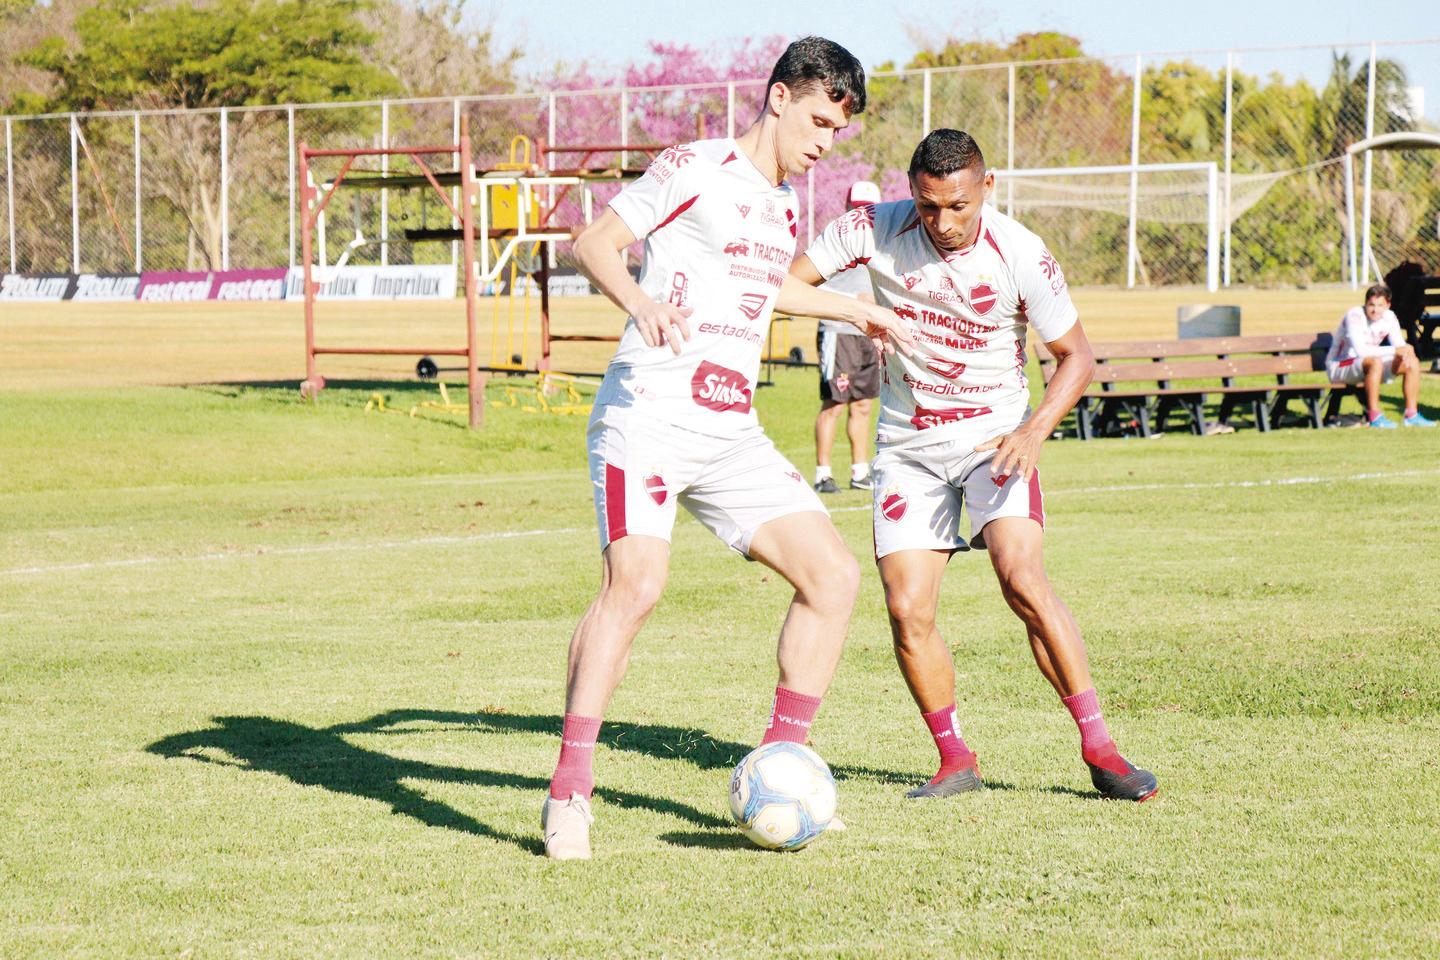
x=1378 y=290
x=945 y=151
x=812 y=63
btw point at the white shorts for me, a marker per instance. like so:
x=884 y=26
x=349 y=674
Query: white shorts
x=919 y=492
x=641 y=468
x=1353 y=371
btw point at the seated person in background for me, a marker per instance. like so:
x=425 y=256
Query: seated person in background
x=1359 y=353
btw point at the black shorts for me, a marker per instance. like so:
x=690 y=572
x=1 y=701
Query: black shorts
x=849 y=367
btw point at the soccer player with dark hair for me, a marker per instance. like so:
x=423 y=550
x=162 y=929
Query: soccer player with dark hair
x=956 y=431
x=673 y=421
x=1369 y=348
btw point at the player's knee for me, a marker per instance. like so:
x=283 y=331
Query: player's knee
x=834 y=583
x=1025 y=586
x=635 y=595
x=912 y=612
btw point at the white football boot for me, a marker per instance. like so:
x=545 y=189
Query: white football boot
x=566 y=824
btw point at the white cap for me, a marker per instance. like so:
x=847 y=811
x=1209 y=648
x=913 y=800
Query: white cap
x=863 y=192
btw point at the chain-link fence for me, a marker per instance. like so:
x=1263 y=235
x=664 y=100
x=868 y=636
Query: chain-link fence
x=1214 y=167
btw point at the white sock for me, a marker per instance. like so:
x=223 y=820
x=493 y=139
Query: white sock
x=859 y=471
x=822 y=473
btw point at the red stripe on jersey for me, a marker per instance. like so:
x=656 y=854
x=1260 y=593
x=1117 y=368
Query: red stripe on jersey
x=858 y=261
x=990 y=238
x=614 y=503
x=729 y=158
x=676 y=212
x=1037 y=499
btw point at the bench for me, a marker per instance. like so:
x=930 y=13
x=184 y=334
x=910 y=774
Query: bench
x=1417 y=306
x=1121 y=369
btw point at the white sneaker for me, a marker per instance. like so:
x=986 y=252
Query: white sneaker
x=566 y=824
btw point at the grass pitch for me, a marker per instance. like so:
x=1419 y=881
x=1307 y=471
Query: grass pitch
x=284 y=679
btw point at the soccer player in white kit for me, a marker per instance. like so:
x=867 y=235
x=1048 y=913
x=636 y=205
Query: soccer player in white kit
x=674 y=423
x=956 y=430
x=1369 y=347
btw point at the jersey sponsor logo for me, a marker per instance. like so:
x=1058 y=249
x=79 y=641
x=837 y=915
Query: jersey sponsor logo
x=912 y=280
x=949 y=369
x=679 y=288
x=893 y=504
x=945 y=389
x=795 y=475
x=678 y=155
x=738 y=248
x=907 y=312
x=947 y=292
x=982 y=298
x=721 y=389
x=731 y=330
x=655 y=486
x=1001 y=480
x=861 y=218
x=966 y=328
x=746 y=271
x=753 y=304
x=1051 y=268
x=744 y=209
x=925 y=418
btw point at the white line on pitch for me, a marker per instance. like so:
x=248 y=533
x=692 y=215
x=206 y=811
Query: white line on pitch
x=515 y=534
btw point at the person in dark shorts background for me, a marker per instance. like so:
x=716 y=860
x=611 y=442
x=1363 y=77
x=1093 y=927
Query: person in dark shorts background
x=849 y=372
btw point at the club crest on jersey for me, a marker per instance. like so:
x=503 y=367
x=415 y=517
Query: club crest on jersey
x=721 y=389
x=893 y=504
x=949 y=369
x=753 y=304
x=655 y=486
x=982 y=298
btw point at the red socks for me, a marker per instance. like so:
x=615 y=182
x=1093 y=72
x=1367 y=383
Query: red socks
x=573 y=772
x=945 y=728
x=791 y=716
x=1094 y=738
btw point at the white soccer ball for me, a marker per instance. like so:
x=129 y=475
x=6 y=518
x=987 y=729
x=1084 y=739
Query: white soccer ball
x=782 y=795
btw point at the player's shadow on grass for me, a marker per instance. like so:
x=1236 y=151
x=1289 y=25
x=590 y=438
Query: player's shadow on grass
x=687 y=744
x=322 y=757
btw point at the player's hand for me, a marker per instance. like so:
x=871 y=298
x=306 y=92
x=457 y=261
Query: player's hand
x=1016 y=452
x=886 y=329
x=662 y=323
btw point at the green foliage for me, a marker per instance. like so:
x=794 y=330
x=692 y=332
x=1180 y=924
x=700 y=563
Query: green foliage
x=227 y=53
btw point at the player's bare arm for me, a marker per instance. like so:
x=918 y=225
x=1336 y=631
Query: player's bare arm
x=599 y=251
x=799 y=296
x=1019 y=451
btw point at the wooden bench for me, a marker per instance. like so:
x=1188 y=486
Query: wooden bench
x=1164 y=363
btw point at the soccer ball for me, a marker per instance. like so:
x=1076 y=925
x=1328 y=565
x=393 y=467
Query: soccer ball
x=782 y=795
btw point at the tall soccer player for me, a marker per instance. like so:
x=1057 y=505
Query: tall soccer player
x=956 y=430
x=673 y=421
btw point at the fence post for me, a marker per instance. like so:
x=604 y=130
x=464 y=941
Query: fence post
x=624 y=126
x=224 y=188
x=1212 y=234
x=461 y=160
x=730 y=108
x=10 y=189
x=1131 y=252
x=384 y=191
x=290 y=140
x=75 y=197
x=1010 y=142
x=140 y=256
x=1229 y=143
x=551 y=127
x=1367 y=255
x=1349 y=174
x=925 y=104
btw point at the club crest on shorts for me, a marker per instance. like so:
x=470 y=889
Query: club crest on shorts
x=982 y=298
x=893 y=504
x=655 y=486
x=842 y=382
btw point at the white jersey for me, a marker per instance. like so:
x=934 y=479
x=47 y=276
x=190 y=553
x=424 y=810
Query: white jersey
x=719 y=237
x=850 y=283
x=970 y=310
x=1357 y=338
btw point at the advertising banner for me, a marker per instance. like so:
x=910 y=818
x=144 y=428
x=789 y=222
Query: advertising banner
x=106 y=287
x=36 y=287
x=411 y=282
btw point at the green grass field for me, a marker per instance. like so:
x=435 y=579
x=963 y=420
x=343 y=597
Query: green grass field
x=283 y=679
